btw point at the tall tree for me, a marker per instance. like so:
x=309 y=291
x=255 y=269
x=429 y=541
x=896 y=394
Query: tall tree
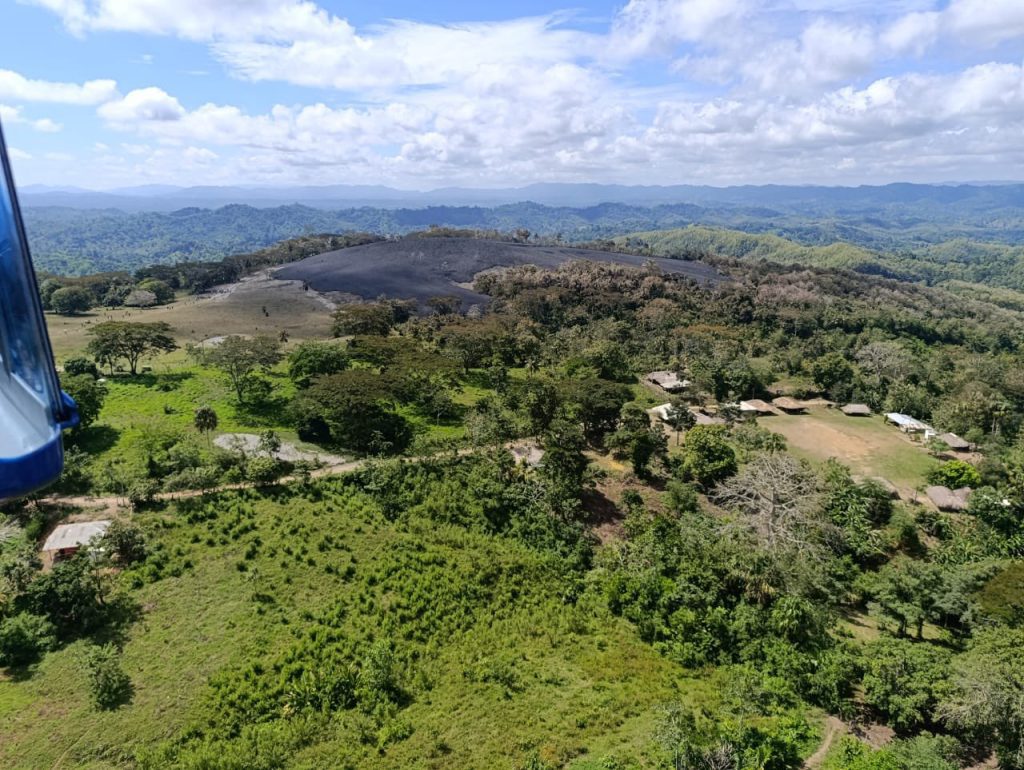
x=240 y=358
x=113 y=341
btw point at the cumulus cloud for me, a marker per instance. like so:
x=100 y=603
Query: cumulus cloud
x=143 y=105
x=14 y=115
x=16 y=86
x=742 y=90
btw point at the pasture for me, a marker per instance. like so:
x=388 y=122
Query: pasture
x=235 y=309
x=867 y=445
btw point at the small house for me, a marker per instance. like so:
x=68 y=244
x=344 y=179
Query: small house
x=787 y=404
x=954 y=442
x=946 y=499
x=856 y=410
x=909 y=424
x=755 y=406
x=67 y=539
x=705 y=419
x=667 y=381
x=662 y=412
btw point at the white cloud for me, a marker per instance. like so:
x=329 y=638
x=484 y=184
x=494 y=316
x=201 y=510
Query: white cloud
x=984 y=23
x=17 y=154
x=17 y=87
x=12 y=115
x=143 y=104
x=669 y=91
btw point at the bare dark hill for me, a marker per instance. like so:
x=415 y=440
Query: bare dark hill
x=421 y=268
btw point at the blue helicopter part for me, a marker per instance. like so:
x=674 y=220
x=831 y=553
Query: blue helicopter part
x=33 y=409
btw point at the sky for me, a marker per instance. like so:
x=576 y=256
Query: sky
x=105 y=94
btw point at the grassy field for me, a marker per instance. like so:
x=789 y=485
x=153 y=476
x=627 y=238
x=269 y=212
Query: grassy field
x=866 y=444
x=196 y=318
x=498 y=667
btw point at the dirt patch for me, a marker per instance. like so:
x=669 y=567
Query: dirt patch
x=250 y=444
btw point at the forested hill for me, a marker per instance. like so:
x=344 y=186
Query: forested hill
x=79 y=241
x=996 y=265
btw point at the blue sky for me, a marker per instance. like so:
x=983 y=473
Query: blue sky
x=110 y=93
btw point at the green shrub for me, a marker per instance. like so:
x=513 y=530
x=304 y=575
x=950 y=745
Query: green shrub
x=24 y=638
x=109 y=685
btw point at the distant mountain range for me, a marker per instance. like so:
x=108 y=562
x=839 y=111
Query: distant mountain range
x=803 y=198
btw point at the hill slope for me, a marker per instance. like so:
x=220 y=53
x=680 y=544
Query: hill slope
x=421 y=268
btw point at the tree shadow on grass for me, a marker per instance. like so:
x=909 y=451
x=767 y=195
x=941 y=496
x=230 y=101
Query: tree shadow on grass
x=163 y=381
x=96 y=438
x=268 y=413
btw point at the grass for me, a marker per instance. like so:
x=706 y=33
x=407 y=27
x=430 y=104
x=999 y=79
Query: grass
x=866 y=444
x=582 y=684
x=196 y=318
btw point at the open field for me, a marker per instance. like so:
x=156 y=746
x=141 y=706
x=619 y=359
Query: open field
x=236 y=309
x=421 y=268
x=568 y=683
x=866 y=444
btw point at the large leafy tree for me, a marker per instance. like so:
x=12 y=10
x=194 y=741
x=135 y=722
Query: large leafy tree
x=987 y=694
x=88 y=394
x=707 y=456
x=314 y=358
x=240 y=358
x=113 y=341
x=71 y=300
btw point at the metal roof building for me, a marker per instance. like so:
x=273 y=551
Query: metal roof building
x=68 y=538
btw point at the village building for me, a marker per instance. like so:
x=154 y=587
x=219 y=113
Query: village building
x=705 y=419
x=909 y=424
x=755 y=406
x=67 y=539
x=667 y=381
x=856 y=410
x=787 y=404
x=946 y=499
x=954 y=442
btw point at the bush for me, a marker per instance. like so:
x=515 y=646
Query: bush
x=81 y=365
x=955 y=474
x=24 y=638
x=264 y=469
x=109 y=685
x=125 y=542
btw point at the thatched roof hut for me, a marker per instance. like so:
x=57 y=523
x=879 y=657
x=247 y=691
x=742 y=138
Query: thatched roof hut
x=856 y=410
x=946 y=499
x=954 y=442
x=756 y=406
x=787 y=404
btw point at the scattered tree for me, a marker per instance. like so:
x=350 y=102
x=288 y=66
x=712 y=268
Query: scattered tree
x=113 y=341
x=241 y=358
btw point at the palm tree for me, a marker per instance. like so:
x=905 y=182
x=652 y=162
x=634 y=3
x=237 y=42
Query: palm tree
x=206 y=421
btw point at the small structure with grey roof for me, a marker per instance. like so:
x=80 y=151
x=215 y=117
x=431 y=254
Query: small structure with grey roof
x=667 y=381
x=856 y=410
x=946 y=499
x=67 y=539
x=954 y=442
x=908 y=424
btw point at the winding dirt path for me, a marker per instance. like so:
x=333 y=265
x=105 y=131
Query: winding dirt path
x=114 y=503
x=834 y=727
